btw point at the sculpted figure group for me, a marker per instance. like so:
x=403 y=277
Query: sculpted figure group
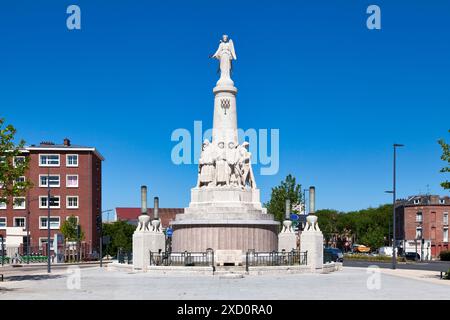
x=225 y=165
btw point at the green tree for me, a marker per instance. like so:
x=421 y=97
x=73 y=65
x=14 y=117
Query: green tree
x=288 y=189
x=328 y=219
x=121 y=234
x=445 y=157
x=13 y=165
x=69 y=230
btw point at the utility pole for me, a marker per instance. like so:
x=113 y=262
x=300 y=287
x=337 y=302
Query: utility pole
x=394 y=246
x=49 y=270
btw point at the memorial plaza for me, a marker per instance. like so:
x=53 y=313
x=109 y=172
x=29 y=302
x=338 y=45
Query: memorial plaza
x=95 y=283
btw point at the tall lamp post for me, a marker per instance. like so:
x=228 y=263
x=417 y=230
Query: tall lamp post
x=394 y=236
x=101 y=235
x=49 y=270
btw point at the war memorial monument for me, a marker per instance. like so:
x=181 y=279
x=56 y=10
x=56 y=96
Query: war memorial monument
x=225 y=214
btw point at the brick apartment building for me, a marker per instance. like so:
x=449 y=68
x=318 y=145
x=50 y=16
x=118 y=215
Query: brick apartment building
x=422 y=225
x=74 y=174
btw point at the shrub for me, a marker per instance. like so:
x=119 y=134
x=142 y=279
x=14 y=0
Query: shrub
x=447 y=275
x=445 y=256
x=366 y=257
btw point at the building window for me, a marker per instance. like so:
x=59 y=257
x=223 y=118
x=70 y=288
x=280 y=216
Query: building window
x=19 y=203
x=46 y=180
x=49 y=160
x=19 y=222
x=43 y=243
x=18 y=160
x=72 y=202
x=72 y=160
x=442 y=201
x=445 y=235
x=419 y=217
x=2 y=205
x=416 y=201
x=54 y=202
x=20 y=180
x=2 y=223
x=418 y=233
x=54 y=223
x=445 y=218
x=72 y=181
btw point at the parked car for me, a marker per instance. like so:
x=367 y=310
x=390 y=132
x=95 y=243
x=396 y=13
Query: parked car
x=412 y=256
x=335 y=254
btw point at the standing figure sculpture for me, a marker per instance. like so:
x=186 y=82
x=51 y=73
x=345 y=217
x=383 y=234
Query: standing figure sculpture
x=225 y=54
x=245 y=165
x=206 y=175
x=232 y=159
x=222 y=167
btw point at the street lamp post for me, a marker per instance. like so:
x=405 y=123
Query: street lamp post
x=48 y=223
x=394 y=241
x=101 y=235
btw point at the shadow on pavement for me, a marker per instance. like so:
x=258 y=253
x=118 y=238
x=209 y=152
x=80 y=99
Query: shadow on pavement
x=32 y=277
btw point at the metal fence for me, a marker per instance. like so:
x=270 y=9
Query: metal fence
x=124 y=256
x=291 y=258
x=186 y=259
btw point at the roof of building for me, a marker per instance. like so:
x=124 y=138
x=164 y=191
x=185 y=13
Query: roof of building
x=166 y=214
x=66 y=145
x=425 y=200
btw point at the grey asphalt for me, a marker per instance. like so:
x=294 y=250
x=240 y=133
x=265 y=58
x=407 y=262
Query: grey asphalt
x=430 y=266
x=96 y=283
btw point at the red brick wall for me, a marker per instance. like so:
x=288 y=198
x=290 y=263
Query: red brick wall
x=88 y=192
x=432 y=225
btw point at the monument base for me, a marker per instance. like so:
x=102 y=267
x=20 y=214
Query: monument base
x=143 y=243
x=312 y=242
x=287 y=241
x=195 y=236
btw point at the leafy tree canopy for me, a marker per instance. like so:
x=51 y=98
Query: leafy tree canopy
x=445 y=157
x=13 y=165
x=288 y=189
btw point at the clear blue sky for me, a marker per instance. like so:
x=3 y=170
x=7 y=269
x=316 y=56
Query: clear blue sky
x=339 y=93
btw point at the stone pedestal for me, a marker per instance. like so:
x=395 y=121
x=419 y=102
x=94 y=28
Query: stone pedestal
x=287 y=239
x=224 y=218
x=147 y=238
x=311 y=240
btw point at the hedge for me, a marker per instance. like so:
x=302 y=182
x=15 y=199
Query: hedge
x=445 y=256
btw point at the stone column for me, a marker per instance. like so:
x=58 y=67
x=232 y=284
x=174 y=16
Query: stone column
x=287 y=239
x=147 y=237
x=311 y=241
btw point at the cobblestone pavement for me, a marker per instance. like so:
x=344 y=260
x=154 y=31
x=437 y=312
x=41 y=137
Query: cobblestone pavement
x=96 y=283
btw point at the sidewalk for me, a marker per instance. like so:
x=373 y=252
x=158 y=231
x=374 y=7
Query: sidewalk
x=421 y=275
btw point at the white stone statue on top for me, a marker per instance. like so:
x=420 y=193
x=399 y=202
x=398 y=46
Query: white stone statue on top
x=225 y=54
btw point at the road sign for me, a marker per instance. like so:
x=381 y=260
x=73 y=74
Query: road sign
x=169 y=232
x=294 y=217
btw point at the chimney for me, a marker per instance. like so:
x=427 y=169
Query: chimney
x=288 y=209
x=144 y=200
x=156 y=209
x=67 y=142
x=312 y=200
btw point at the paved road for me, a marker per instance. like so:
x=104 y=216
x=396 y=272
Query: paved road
x=95 y=283
x=431 y=266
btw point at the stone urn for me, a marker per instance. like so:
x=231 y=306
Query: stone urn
x=287 y=225
x=143 y=222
